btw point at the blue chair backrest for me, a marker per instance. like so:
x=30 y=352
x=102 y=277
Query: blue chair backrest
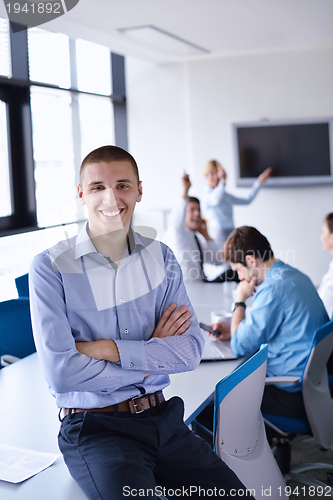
x=22 y=285
x=316 y=394
x=236 y=377
x=15 y=328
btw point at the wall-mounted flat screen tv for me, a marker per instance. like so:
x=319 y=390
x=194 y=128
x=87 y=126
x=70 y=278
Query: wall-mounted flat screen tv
x=300 y=152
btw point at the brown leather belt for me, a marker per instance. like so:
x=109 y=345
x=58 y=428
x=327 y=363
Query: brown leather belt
x=133 y=405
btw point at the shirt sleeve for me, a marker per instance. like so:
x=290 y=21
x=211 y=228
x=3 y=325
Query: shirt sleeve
x=213 y=197
x=166 y=355
x=246 y=200
x=261 y=325
x=66 y=369
x=176 y=220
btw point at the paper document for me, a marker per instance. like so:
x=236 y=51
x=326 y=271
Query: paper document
x=18 y=464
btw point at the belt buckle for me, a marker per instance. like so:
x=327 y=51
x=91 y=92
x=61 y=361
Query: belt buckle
x=135 y=406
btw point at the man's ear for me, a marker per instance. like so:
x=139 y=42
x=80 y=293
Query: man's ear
x=80 y=192
x=250 y=261
x=139 y=198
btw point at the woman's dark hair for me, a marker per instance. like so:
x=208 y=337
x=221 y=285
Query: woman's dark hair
x=329 y=222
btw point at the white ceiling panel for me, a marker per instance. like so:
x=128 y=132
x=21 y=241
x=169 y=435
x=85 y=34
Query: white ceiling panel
x=221 y=27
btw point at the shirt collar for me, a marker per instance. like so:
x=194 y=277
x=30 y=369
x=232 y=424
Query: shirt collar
x=84 y=245
x=275 y=264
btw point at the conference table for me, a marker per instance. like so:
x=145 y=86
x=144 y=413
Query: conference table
x=29 y=417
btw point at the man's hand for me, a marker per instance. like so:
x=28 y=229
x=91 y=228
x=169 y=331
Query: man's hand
x=173 y=322
x=203 y=230
x=223 y=328
x=245 y=289
x=186 y=183
x=106 y=350
x=265 y=175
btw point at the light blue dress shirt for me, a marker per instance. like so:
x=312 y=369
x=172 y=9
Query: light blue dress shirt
x=285 y=314
x=217 y=205
x=78 y=294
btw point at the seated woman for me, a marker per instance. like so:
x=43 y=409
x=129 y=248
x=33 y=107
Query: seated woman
x=325 y=289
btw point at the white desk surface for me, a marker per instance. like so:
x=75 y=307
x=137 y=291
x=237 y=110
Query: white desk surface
x=29 y=417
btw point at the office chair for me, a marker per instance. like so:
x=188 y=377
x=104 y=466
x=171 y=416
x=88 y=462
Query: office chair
x=240 y=436
x=16 y=339
x=22 y=285
x=319 y=410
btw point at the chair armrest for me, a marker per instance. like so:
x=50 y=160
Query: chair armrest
x=282 y=380
x=8 y=359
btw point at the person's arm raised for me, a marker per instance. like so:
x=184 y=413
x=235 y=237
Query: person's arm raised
x=186 y=184
x=264 y=176
x=221 y=174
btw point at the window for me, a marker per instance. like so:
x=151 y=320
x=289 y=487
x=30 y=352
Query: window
x=93 y=68
x=96 y=122
x=5 y=63
x=5 y=188
x=53 y=156
x=53 y=111
x=49 y=58
x=56 y=116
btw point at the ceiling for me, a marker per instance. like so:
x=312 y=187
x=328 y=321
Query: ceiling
x=220 y=27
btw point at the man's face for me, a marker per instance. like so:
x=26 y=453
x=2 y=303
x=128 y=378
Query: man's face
x=110 y=192
x=193 y=216
x=244 y=272
x=252 y=269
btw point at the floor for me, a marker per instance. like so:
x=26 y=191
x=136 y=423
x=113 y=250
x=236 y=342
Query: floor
x=307 y=451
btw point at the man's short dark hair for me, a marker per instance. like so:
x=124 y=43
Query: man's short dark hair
x=108 y=154
x=245 y=241
x=193 y=199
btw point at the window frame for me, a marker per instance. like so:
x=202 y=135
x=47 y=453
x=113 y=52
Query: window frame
x=17 y=92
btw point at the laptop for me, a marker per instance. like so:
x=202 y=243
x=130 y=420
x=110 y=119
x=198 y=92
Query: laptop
x=217 y=350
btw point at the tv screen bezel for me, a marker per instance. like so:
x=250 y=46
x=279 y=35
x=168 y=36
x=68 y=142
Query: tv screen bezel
x=284 y=181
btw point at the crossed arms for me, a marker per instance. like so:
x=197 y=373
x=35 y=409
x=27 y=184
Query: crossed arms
x=172 y=322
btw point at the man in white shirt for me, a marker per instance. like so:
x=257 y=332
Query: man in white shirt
x=187 y=235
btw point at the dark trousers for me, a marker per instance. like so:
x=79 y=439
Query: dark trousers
x=144 y=455
x=276 y=401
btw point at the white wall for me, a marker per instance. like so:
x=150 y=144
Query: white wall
x=157 y=126
x=181 y=116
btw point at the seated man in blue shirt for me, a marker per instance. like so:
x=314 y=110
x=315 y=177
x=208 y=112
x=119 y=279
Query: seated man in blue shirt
x=285 y=313
x=111 y=321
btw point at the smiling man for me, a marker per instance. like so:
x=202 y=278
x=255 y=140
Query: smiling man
x=111 y=321
x=285 y=313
